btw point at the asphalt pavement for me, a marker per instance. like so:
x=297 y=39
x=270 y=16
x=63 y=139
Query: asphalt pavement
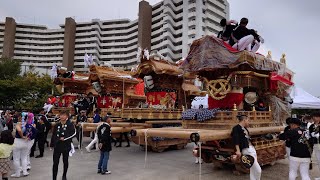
x=129 y=163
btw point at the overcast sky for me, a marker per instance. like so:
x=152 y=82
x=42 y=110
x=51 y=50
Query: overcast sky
x=288 y=26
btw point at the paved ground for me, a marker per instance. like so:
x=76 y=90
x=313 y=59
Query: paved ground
x=128 y=164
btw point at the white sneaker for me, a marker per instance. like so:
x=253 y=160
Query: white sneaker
x=197 y=161
x=15 y=175
x=88 y=149
x=25 y=174
x=28 y=167
x=105 y=172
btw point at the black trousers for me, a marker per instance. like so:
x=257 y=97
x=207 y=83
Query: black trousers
x=125 y=136
x=79 y=136
x=56 y=158
x=41 y=141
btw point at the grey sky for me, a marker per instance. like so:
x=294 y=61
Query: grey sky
x=289 y=26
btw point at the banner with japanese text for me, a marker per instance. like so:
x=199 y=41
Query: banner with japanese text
x=165 y=99
x=109 y=101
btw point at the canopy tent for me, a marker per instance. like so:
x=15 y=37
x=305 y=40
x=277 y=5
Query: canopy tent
x=304 y=100
x=197 y=101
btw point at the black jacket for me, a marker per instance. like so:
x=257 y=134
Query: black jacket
x=81 y=119
x=104 y=136
x=282 y=136
x=41 y=130
x=242 y=31
x=239 y=137
x=226 y=34
x=66 y=131
x=300 y=146
x=313 y=129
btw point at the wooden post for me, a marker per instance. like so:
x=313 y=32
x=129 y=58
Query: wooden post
x=179 y=114
x=161 y=114
x=234 y=113
x=150 y=116
x=170 y=114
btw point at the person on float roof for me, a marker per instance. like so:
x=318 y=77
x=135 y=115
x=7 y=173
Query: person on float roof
x=228 y=27
x=244 y=38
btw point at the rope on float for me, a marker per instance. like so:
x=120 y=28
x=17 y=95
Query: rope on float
x=200 y=161
x=146 y=144
x=81 y=139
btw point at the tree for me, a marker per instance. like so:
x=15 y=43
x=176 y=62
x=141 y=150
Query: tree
x=9 y=69
x=35 y=92
x=27 y=91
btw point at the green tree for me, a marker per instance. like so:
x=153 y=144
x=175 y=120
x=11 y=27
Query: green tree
x=9 y=69
x=27 y=91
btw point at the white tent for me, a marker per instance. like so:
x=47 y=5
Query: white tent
x=304 y=100
x=197 y=101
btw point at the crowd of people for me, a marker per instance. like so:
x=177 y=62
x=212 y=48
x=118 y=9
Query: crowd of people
x=301 y=137
x=27 y=130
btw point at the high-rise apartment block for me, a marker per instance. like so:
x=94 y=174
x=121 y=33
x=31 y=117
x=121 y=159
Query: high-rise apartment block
x=169 y=27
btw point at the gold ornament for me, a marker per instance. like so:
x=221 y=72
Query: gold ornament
x=218 y=89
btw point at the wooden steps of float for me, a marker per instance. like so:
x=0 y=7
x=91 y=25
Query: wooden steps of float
x=205 y=135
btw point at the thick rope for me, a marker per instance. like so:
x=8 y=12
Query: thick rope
x=219 y=88
x=200 y=161
x=81 y=139
x=146 y=144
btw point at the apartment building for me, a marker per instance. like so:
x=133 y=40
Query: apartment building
x=169 y=27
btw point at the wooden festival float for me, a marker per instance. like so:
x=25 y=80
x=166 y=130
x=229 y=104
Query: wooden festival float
x=236 y=82
x=70 y=87
x=168 y=92
x=113 y=90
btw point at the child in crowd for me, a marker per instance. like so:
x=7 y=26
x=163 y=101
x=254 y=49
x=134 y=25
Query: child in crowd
x=6 y=142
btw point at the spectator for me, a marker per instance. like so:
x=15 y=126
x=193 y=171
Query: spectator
x=104 y=138
x=80 y=119
x=96 y=119
x=24 y=133
x=40 y=138
x=6 y=142
x=63 y=133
